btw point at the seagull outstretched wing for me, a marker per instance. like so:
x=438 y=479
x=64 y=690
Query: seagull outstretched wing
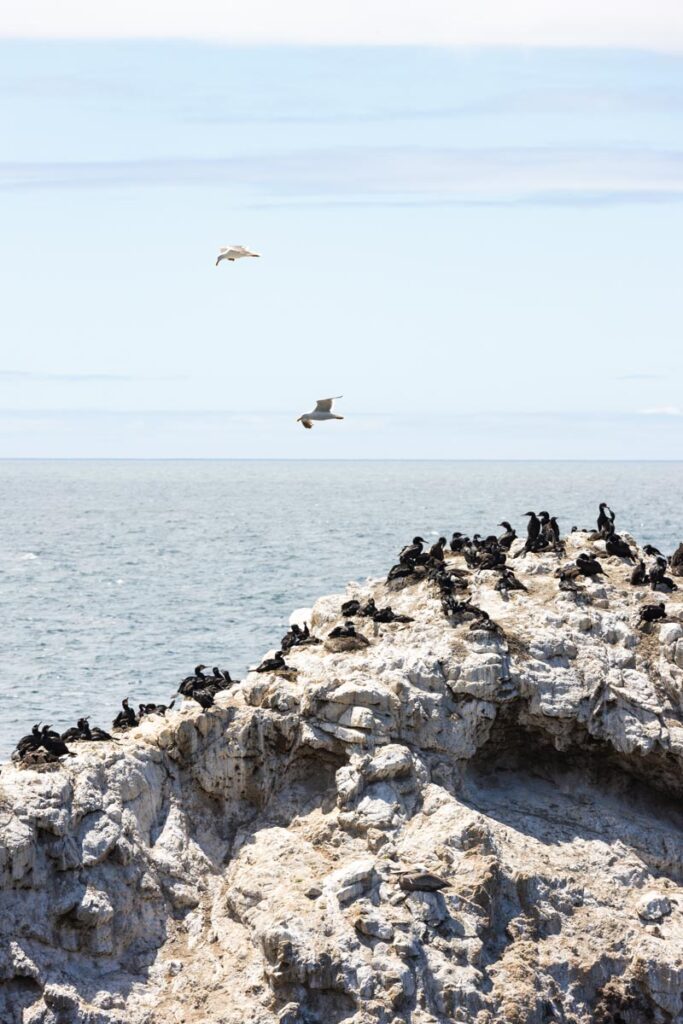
x=325 y=404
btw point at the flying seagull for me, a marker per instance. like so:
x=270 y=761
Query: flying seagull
x=322 y=411
x=234 y=252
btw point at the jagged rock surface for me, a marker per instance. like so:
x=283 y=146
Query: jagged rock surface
x=242 y=863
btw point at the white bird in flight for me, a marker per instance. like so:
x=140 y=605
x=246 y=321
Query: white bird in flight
x=234 y=252
x=322 y=411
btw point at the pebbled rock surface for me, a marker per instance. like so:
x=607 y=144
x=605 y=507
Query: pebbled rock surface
x=243 y=863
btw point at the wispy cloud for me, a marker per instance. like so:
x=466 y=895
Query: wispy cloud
x=29 y=376
x=526 y=23
x=641 y=376
x=662 y=410
x=393 y=173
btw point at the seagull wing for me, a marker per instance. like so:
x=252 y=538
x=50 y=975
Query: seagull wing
x=325 y=404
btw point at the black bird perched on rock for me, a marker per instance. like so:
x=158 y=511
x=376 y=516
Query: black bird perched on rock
x=639 y=576
x=617 y=546
x=203 y=697
x=508 y=581
x=298 y=637
x=388 y=615
x=80 y=731
x=533 y=532
x=351 y=607
x=457 y=542
x=553 y=531
x=544 y=520
x=652 y=551
x=436 y=550
x=53 y=743
x=421 y=881
x=677 y=561
x=658 y=577
x=83 y=731
x=32 y=741
x=126 y=718
x=347 y=630
x=272 y=664
x=589 y=566
x=194 y=682
x=606 y=519
x=652 y=612
x=411 y=552
x=493 y=558
x=400 y=572
x=506 y=539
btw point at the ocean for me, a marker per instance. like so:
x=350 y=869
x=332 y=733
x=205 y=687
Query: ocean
x=117 y=577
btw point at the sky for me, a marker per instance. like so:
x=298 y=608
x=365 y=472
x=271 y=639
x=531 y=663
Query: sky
x=478 y=245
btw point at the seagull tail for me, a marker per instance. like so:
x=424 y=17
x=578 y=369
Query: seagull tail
x=339 y=417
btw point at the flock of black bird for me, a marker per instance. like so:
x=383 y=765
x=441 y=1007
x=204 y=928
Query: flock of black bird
x=415 y=562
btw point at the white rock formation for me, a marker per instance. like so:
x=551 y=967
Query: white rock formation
x=242 y=864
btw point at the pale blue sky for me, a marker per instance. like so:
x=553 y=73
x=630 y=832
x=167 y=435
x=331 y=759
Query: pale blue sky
x=480 y=248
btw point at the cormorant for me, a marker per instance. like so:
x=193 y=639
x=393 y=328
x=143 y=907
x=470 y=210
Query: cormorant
x=80 y=731
x=125 y=719
x=544 y=536
x=53 y=743
x=617 y=546
x=271 y=664
x=652 y=612
x=32 y=741
x=639 y=575
x=411 y=552
x=658 y=577
x=493 y=558
x=347 y=630
x=508 y=581
x=203 y=698
x=605 y=519
x=589 y=566
x=350 y=608
x=553 y=531
x=533 y=531
x=457 y=542
x=506 y=539
x=654 y=552
x=436 y=550
x=400 y=572
x=387 y=615
x=677 y=561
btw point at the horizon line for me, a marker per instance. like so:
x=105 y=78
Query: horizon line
x=275 y=458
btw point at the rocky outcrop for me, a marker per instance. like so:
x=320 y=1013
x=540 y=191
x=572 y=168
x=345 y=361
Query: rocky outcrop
x=245 y=863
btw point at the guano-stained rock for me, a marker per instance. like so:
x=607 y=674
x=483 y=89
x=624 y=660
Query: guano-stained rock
x=243 y=862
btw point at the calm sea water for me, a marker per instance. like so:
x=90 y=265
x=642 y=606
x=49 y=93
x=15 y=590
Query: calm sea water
x=116 y=578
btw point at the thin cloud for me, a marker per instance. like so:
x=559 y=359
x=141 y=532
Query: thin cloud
x=662 y=410
x=527 y=23
x=393 y=174
x=28 y=376
x=641 y=376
